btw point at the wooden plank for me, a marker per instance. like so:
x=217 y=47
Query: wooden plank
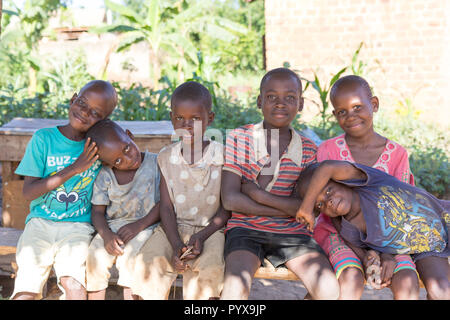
x=15 y=206
x=152 y=144
x=8 y=240
x=15 y=135
x=268 y=271
x=27 y=126
x=14 y=147
x=280 y=273
x=8 y=168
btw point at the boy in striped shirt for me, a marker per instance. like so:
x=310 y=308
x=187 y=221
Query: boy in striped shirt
x=258 y=180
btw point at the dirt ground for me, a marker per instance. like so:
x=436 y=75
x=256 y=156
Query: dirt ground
x=262 y=289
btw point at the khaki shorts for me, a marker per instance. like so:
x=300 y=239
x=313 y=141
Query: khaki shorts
x=45 y=244
x=154 y=272
x=99 y=261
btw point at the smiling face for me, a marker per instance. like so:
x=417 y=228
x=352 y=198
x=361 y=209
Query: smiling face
x=190 y=118
x=88 y=108
x=120 y=151
x=280 y=100
x=353 y=109
x=335 y=200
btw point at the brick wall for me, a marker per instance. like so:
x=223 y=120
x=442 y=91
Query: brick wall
x=406 y=46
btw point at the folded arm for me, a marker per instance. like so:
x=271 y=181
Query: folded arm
x=289 y=205
x=234 y=200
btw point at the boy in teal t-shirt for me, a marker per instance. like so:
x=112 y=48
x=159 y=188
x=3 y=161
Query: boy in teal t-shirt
x=48 y=152
x=59 y=169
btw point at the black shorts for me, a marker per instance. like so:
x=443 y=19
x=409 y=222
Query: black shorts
x=275 y=247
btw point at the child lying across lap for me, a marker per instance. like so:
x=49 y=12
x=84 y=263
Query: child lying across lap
x=373 y=210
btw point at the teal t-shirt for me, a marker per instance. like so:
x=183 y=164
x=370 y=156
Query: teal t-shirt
x=48 y=152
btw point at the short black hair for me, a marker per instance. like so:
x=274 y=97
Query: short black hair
x=103 y=130
x=349 y=81
x=304 y=179
x=285 y=71
x=103 y=87
x=192 y=91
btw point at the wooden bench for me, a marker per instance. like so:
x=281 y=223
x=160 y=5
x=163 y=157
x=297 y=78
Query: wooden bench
x=8 y=243
x=267 y=271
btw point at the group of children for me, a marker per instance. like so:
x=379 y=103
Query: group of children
x=215 y=213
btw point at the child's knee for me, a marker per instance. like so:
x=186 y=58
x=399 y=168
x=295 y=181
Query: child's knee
x=324 y=287
x=71 y=284
x=236 y=287
x=405 y=285
x=351 y=284
x=327 y=290
x=24 y=296
x=406 y=278
x=438 y=289
x=351 y=277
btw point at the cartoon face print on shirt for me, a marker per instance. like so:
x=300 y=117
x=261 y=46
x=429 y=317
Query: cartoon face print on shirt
x=74 y=191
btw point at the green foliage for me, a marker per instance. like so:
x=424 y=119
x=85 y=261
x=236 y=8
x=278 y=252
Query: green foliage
x=63 y=77
x=357 y=66
x=231 y=114
x=323 y=91
x=431 y=167
x=34 y=107
x=140 y=103
x=244 y=52
x=170 y=29
x=18 y=42
x=56 y=86
x=34 y=18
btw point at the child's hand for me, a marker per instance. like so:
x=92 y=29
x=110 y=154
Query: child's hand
x=179 y=264
x=388 y=264
x=372 y=267
x=113 y=244
x=303 y=216
x=196 y=242
x=128 y=231
x=87 y=158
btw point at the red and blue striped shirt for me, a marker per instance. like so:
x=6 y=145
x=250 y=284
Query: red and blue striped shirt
x=246 y=155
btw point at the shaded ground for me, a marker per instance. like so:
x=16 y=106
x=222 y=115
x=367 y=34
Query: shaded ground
x=262 y=289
